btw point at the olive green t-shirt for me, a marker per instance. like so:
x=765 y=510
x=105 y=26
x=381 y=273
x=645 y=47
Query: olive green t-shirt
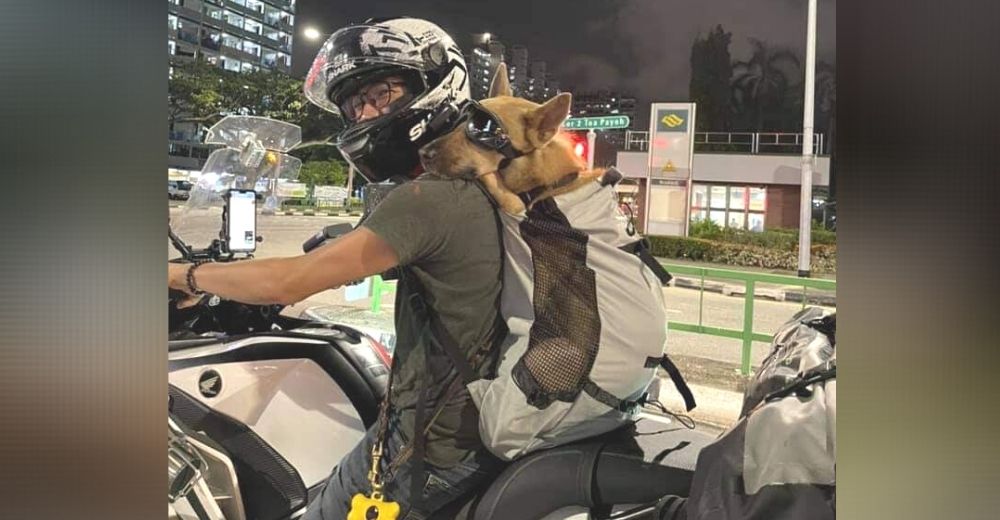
x=446 y=236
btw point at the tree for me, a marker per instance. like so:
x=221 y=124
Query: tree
x=761 y=86
x=202 y=93
x=826 y=99
x=826 y=109
x=323 y=173
x=711 y=79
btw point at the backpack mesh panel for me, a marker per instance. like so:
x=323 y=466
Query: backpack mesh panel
x=565 y=335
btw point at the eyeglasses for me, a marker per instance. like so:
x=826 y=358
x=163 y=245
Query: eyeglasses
x=485 y=129
x=379 y=95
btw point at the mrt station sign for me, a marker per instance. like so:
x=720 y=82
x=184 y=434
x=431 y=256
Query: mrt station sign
x=668 y=176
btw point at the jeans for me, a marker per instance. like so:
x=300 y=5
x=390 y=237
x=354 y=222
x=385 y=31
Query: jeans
x=439 y=486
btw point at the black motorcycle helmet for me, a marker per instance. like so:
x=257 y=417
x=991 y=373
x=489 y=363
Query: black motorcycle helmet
x=430 y=64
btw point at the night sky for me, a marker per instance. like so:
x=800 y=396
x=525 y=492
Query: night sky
x=637 y=46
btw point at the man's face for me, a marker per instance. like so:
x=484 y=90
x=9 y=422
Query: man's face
x=375 y=99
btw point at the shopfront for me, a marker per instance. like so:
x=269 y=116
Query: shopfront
x=743 y=191
x=733 y=206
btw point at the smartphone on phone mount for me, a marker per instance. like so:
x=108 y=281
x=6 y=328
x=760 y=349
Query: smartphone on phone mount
x=239 y=222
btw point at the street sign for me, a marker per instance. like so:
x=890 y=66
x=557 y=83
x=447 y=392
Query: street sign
x=596 y=123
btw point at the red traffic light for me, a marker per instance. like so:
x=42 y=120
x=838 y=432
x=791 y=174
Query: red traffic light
x=579 y=141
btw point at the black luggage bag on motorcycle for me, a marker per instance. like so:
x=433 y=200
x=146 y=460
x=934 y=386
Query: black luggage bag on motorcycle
x=779 y=460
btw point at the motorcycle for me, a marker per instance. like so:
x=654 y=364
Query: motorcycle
x=262 y=405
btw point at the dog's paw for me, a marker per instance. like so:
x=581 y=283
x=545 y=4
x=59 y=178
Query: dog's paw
x=512 y=204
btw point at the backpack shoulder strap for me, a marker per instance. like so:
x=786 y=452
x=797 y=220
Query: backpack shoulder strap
x=641 y=248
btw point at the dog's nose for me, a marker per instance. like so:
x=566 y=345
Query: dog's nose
x=427 y=153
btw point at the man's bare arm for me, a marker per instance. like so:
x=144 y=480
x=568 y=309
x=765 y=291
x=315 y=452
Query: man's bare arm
x=288 y=280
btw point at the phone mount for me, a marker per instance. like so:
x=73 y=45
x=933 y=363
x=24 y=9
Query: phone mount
x=252 y=159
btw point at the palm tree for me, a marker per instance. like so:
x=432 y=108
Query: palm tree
x=826 y=97
x=760 y=82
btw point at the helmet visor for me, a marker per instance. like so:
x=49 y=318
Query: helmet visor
x=356 y=50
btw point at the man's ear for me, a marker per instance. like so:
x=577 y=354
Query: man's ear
x=500 y=85
x=544 y=121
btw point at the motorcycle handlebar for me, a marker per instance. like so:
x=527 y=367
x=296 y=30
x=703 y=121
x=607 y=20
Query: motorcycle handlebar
x=327 y=233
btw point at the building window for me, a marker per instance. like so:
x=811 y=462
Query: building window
x=230 y=64
x=758 y=197
x=172 y=22
x=737 y=197
x=233 y=19
x=187 y=31
x=200 y=152
x=182 y=150
x=270 y=59
x=251 y=47
x=211 y=39
x=717 y=197
x=738 y=207
x=171 y=47
x=213 y=12
x=272 y=15
x=253 y=26
x=232 y=42
x=255 y=5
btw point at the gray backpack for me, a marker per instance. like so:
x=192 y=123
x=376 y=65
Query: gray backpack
x=583 y=302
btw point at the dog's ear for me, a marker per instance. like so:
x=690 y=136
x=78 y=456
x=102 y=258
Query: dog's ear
x=544 y=121
x=500 y=85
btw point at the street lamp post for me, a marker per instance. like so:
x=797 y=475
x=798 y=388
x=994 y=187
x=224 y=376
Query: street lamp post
x=805 y=200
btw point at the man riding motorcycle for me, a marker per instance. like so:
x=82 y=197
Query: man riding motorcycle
x=399 y=84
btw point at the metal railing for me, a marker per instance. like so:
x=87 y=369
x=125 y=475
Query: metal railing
x=750 y=280
x=747 y=335
x=380 y=288
x=740 y=142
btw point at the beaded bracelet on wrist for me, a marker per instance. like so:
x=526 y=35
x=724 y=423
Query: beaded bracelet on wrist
x=192 y=286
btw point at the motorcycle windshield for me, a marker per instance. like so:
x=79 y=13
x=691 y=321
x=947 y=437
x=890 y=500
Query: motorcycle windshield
x=252 y=158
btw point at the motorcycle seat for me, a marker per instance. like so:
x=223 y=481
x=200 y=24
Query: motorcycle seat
x=614 y=469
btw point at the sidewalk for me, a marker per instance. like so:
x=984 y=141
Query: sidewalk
x=790 y=293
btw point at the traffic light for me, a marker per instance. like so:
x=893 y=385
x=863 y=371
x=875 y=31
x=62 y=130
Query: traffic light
x=579 y=140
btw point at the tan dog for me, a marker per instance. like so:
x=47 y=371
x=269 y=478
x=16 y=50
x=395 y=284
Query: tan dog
x=533 y=130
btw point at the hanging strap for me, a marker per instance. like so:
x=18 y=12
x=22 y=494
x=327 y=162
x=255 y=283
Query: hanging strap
x=675 y=375
x=419 y=441
x=641 y=248
x=447 y=342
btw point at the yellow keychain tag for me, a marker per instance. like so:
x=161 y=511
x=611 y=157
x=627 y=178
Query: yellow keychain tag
x=372 y=508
